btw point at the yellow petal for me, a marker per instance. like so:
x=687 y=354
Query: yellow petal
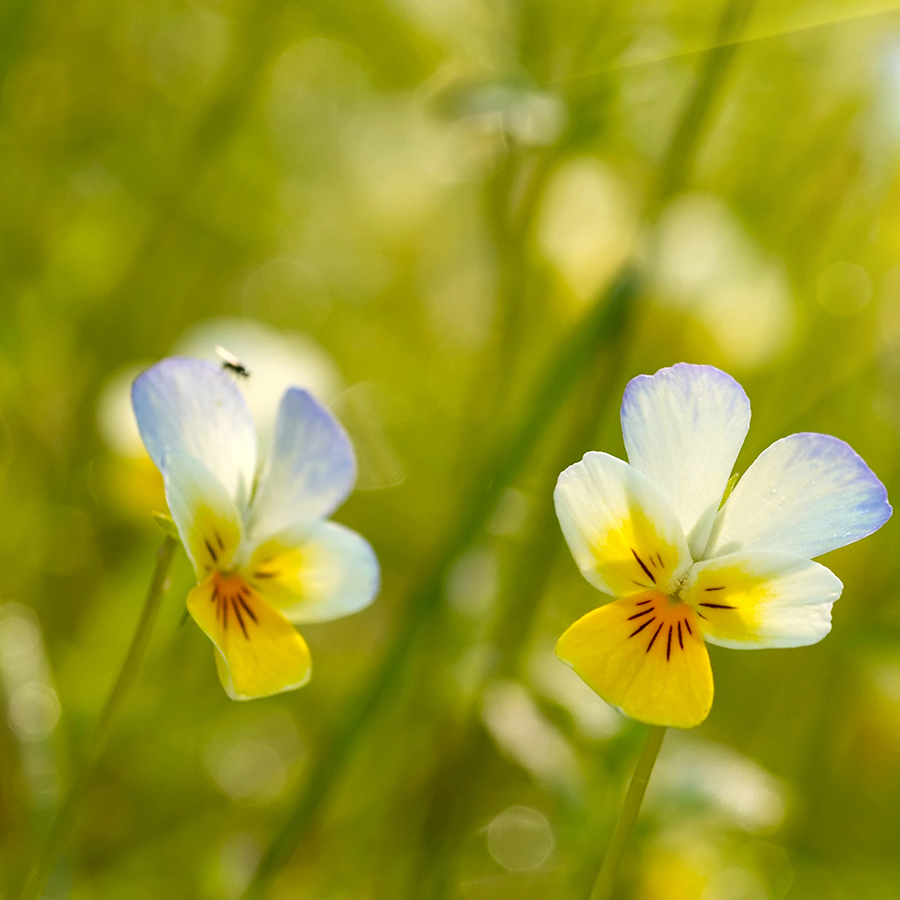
x=260 y=652
x=644 y=654
x=276 y=569
x=212 y=539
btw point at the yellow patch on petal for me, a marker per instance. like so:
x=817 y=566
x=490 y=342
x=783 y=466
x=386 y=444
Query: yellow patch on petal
x=633 y=555
x=728 y=600
x=277 y=571
x=261 y=653
x=644 y=654
x=213 y=541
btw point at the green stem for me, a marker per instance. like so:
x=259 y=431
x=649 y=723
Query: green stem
x=68 y=808
x=606 y=879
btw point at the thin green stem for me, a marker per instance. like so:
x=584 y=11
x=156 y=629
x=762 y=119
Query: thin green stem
x=603 y=886
x=68 y=808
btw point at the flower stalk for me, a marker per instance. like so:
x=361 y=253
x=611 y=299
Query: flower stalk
x=68 y=809
x=606 y=878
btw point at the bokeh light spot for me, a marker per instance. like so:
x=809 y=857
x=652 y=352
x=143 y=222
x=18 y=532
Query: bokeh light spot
x=520 y=839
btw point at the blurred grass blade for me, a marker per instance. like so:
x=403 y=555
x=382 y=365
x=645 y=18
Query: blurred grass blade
x=603 y=325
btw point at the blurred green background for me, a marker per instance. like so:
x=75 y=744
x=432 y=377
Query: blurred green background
x=470 y=222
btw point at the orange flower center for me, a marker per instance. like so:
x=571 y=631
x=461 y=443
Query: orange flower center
x=234 y=597
x=663 y=623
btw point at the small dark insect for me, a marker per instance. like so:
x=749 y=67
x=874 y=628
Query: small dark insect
x=231 y=363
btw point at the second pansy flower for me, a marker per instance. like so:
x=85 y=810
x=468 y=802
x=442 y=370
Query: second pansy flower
x=258 y=540
x=651 y=533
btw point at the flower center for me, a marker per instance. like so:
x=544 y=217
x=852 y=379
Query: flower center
x=705 y=598
x=233 y=596
x=663 y=622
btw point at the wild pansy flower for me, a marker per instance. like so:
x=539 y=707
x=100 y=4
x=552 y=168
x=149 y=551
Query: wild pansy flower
x=263 y=554
x=651 y=533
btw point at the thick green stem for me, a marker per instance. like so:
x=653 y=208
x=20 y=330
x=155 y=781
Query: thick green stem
x=68 y=808
x=603 y=886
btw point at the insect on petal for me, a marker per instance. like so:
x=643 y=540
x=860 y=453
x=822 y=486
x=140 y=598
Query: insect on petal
x=191 y=406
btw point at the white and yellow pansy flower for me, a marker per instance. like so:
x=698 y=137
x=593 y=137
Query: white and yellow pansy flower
x=263 y=554
x=651 y=533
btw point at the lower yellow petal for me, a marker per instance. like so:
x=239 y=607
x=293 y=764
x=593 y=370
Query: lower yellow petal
x=260 y=652
x=644 y=654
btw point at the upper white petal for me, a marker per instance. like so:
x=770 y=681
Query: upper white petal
x=806 y=494
x=310 y=471
x=683 y=428
x=190 y=406
x=621 y=531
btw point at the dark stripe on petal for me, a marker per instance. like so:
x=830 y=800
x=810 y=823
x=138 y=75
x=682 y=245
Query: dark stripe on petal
x=240 y=618
x=647 y=572
x=247 y=608
x=643 y=612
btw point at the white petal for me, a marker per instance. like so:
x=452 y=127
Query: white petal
x=315 y=573
x=205 y=514
x=762 y=599
x=311 y=469
x=622 y=533
x=683 y=428
x=806 y=494
x=189 y=406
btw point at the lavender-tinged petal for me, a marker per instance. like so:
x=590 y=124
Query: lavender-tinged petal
x=806 y=494
x=190 y=406
x=311 y=469
x=683 y=428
